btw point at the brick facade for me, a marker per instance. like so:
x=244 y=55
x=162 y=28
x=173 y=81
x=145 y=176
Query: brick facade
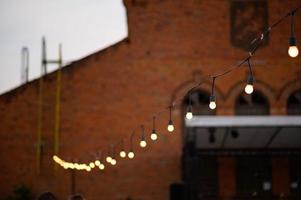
x=107 y=94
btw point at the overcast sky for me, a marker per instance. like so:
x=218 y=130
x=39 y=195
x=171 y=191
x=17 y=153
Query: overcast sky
x=82 y=27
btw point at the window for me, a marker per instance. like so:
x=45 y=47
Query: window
x=254 y=104
x=294 y=103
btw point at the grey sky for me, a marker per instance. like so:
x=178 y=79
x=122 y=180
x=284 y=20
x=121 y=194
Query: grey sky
x=82 y=26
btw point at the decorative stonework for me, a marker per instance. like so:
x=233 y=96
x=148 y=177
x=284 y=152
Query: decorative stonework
x=248 y=19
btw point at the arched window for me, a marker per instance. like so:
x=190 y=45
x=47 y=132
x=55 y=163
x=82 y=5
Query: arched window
x=199 y=100
x=254 y=104
x=199 y=172
x=294 y=103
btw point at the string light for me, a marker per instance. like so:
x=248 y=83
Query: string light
x=91 y=165
x=154 y=135
x=88 y=168
x=101 y=166
x=170 y=126
x=256 y=43
x=189 y=114
x=212 y=103
x=113 y=161
x=293 y=49
x=131 y=154
x=122 y=154
x=109 y=158
x=97 y=163
x=249 y=87
x=142 y=141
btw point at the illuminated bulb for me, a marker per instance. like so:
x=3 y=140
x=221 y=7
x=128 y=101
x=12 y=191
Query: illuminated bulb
x=122 y=154
x=55 y=158
x=71 y=165
x=131 y=154
x=293 y=49
x=249 y=87
x=65 y=165
x=170 y=126
x=113 y=161
x=189 y=114
x=88 y=168
x=92 y=165
x=76 y=166
x=109 y=159
x=143 y=143
x=212 y=104
x=97 y=162
x=101 y=167
x=82 y=166
x=154 y=136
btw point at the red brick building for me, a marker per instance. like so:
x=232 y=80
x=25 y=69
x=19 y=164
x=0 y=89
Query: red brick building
x=170 y=45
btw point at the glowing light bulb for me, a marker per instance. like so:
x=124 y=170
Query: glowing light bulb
x=92 y=165
x=212 y=104
x=109 y=159
x=97 y=162
x=170 y=126
x=65 y=165
x=122 y=154
x=76 y=166
x=154 y=136
x=113 y=162
x=131 y=154
x=293 y=51
x=143 y=143
x=71 y=166
x=189 y=114
x=88 y=168
x=249 y=89
x=101 y=166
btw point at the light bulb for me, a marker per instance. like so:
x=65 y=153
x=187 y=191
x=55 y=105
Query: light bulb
x=97 y=162
x=92 y=165
x=143 y=143
x=76 y=166
x=154 y=136
x=122 y=154
x=212 y=104
x=101 y=166
x=293 y=51
x=170 y=126
x=82 y=166
x=109 y=159
x=65 y=165
x=131 y=154
x=71 y=166
x=249 y=89
x=88 y=168
x=113 y=161
x=189 y=114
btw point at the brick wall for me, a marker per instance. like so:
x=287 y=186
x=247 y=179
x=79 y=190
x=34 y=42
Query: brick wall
x=107 y=94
